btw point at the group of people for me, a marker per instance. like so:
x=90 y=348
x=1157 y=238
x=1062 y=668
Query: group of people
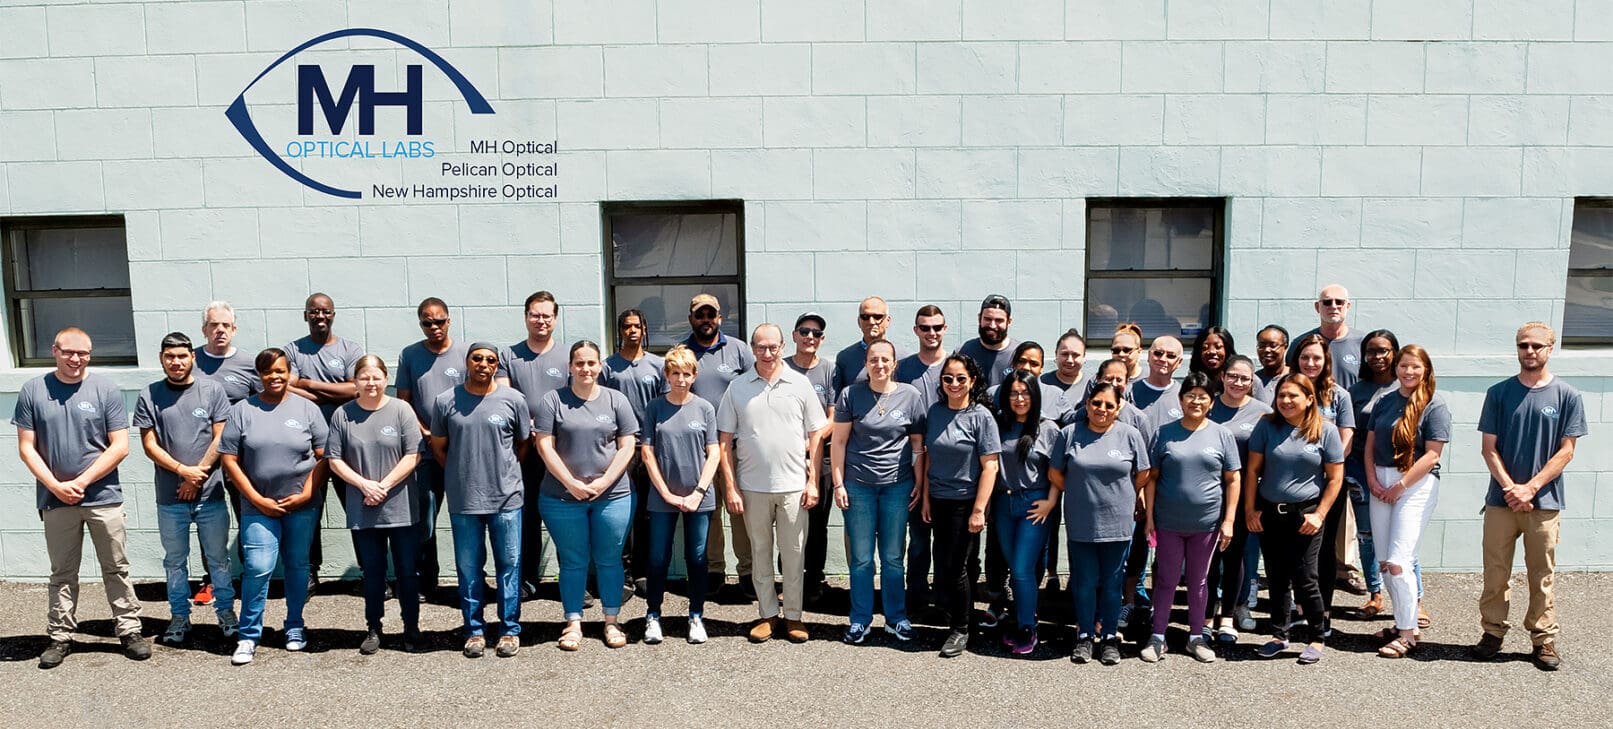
x=923 y=453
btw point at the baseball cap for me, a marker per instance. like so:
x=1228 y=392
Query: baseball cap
x=997 y=301
x=700 y=300
x=812 y=316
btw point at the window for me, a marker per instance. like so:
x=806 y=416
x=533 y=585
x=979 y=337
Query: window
x=1153 y=262
x=1588 y=310
x=659 y=255
x=63 y=272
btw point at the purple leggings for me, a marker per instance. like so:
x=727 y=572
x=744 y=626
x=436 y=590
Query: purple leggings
x=1172 y=551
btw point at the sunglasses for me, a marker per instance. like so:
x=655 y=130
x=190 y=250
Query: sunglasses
x=871 y=317
x=810 y=332
x=955 y=379
x=489 y=358
x=1531 y=346
x=1162 y=354
x=424 y=323
x=1122 y=350
x=1102 y=405
x=929 y=328
x=1332 y=302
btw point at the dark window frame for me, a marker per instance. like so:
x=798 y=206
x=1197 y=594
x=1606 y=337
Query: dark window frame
x=1215 y=273
x=607 y=209
x=1567 y=340
x=12 y=231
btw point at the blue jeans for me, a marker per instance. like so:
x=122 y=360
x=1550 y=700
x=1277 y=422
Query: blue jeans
x=1024 y=543
x=212 y=520
x=470 y=558
x=877 y=515
x=266 y=540
x=696 y=525
x=1097 y=575
x=584 y=532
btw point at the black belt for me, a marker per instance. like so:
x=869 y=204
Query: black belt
x=1295 y=507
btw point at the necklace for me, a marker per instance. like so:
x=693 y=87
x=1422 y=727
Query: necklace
x=880 y=403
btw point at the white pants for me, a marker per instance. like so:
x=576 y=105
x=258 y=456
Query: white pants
x=1397 y=531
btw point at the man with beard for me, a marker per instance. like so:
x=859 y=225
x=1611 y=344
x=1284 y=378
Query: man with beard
x=873 y=318
x=322 y=371
x=426 y=369
x=1333 y=306
x=722 y=360
x=822 y=375
x=993 y=350
x=534 y=367
x=636 y=373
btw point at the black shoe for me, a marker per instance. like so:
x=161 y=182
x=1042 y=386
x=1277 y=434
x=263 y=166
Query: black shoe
x=1488 y=647
x=747 y=588
x=815 y=590
x=371 y=643
x=955 y=645
x=413 y=641
x=588 y=599
x=529 y=591
x=627 y=593
x=1109 y=652
x=1083 y=651
x=135 y=646
x=641 y=586
x=313 y=583
x=1546 y=657
x=55 y=653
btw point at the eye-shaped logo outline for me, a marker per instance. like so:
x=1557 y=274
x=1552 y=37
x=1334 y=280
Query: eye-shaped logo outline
x=241 y=117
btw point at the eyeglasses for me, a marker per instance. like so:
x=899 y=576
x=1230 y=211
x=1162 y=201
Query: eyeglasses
x=766 y=347
x=1237 y=379
x=1019 y=395
x=1532 y=346
x=74 y=353
x=320 y=312
x=955 y=379
x=426 y=323
x=1026 y=362
x=1381 y=351
x=1332 y=302
x=871 y=317
x=488 y=358
x=1270 y=345
x=1196 y=396
x=1122 y=350
x=929 y=328
x=703 y=316
x=810 y=332
x=1103 y=405
x=540 y=317
x=1162 y=354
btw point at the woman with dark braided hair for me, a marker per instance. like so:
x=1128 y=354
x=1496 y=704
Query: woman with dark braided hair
x=961 y=444
x=1406 y=435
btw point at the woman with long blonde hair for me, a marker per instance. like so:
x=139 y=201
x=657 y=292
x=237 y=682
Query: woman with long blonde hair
x=1406 y=434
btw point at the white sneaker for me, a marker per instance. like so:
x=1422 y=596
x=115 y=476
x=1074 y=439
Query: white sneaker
x=697 y=630
x=295 y=640
x=243 y=652
x=1246 y=622
x=652 y=630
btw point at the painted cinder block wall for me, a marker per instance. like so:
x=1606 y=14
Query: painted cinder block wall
x=1424 y=154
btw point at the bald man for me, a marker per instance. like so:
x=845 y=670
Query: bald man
x=873 y=318
x=1333 y=307
x=72 y=432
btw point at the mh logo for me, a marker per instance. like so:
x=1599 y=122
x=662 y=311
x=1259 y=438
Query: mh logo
x=335 y=108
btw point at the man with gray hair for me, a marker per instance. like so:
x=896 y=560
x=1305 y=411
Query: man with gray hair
x=1343 y=342
x=770 y=425
x=218 y=360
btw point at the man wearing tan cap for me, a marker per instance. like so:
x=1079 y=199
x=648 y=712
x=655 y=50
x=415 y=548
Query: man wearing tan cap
x=722 y=360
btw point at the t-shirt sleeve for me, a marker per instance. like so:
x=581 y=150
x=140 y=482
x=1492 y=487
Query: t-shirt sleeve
x=22 y=415
x=708 y=414
x=1229 y=450
x=1139 y=445
x=1043 y=447
x=354 y=353
x=1057 y=455
x=646 y=429
x=523 y=417
x=989 y=440
x=438 y=414
x=405 y=372
x=113 y=412
x=747 y=361
x=409 y=427
x=505 y=357
x=727 y=419
x=1332 y=445
x=1156 y=447
x=1257 y=437
x=218 y=406
x=234 y=431
x=842 y=405
x=318 y=431
x=144 y=417
x=1490 y=412
x=1574 y=416
x=1345 y=409
x=335 y=439
x=812 y=410
x=1436 y=424
x=291 y=357
x=626 y=422
x=544 y=421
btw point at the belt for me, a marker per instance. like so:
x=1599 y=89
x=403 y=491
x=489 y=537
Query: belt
x=1295 y=507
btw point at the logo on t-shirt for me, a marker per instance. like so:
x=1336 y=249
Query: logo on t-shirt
x=234 y=379
x=1329 y=413
x=899 y=416
x=696 y=425
x=335 y=362
x=451 y=373
x=1312 y=449
x=88 y=407
x=1211 y=451
x=647 y=379
x=817 y=388
x=1549 y=411
x=1008 y=371
x=1176 y=412
x=388 y=431
x=497 y=419
x=554 y=372
x=1246 y=426
x=724 y=367
x=294 y=424
x=1118 y=454
x=1350 y=359
x=603 y=418
x=199 y=412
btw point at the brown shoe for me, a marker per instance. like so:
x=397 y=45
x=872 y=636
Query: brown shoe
x=1373 y=608
x=1423 y=618
x=762 y=631
x=1488 y=647
x=796 y=631
x=1546 y=657
x=508 y=645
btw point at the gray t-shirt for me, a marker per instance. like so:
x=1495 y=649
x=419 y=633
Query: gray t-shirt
x=1346 y=352
x=1435 y=425
x=955 y=441
x=877 y=451
x=275 y=444
x=1240 y=421
x=1364 y=395
x=851 y=365
x=726 y=360
x=925 y=378
x=680 y=435
x=822 y=377
x=1075 y=394
x=535 y=375
x=1529 y=425
x=235 y=373
x=1336 y=408
x=1030 y=474
x=1146 y=398
x=1190 y=495
x=1264 y=387
x=331 y=363
x=482 y=475
x=585 y=433
x=1100 y=484
x=427 y=374
x=640 y=381
x=372 y=443
x=72 y=425
x=1055 y=406
x=1293 y=467
x=994 y=364
x=183 y=418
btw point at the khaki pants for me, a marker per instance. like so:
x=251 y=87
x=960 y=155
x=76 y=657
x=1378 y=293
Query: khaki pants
x=716 y=545
x=765 y=513
x=1539 y=529
x=64 y=542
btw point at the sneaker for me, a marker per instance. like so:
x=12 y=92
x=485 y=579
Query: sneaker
x=1154 y=651
x=993 y=615
x=508 y=645
x=295 y=640
x=955 y=645
x=855 y=634
x=1125 y=618
x=313 y=583
x=1546 y=657
x=475 y=646
x=371 y=643
x=1488 y=647
x=697 y=630
x=1311 y=655
x=1200 y=651
x=178 y=630
x=55 y=653
x=529 y=591
x=1083 y=650
x=1109 y=652
x=1272 y=647
x=652 y=630
x=1246 y=621
x=228 y=623
x=243 y=653
x=203 y=596
x=135 y=646
x=902 y=631
x=1026 y=643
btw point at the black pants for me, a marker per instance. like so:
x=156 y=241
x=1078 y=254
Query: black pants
x=1327 y=564
x=636 y=547
x=816 y=552
x=432 y=494
x=373 y=547
x=996 y=564
x=532 y=473
x=919 y=538
x=1226 y=570
x=954 y=545
x=1291 y=561
x=1137 y=558
x=332 y=490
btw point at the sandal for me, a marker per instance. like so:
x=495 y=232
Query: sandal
x=614 y=637
x=571 y=636
x=1391 y=633
x=1423 y=619
x=1397 y=648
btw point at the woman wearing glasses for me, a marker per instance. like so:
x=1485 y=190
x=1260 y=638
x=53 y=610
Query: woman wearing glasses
x=1376 y=378
x=961 y=444
x=1127 y=346
x=1238 y=411
x=1021 y=507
